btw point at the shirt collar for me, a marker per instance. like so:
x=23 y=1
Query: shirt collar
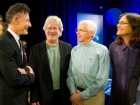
x=14 y=35
x=123 y=46
x=89 y=44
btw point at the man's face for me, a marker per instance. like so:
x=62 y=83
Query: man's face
x=22 y=23
x=83 y=35
x=52 y=31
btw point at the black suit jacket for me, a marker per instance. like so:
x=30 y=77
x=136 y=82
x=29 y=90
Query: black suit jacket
x=13 y=84
x=42 y=89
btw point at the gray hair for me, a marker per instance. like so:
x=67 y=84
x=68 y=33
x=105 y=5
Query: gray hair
x=57 y=19
x=91 y=26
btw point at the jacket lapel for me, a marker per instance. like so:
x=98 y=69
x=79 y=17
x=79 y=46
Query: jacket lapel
x=61 y=54
x=44 y=57
x=14 y=43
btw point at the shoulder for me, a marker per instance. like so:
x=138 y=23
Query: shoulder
x=77 y=48
x=113 y=44
x=4 y=40
x=39 y=45
x=98 y=46
x=65 y=44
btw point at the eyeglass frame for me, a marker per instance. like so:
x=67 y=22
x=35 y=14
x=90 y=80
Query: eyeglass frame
x=81 y=30
x=50 y=29
x=122 y=23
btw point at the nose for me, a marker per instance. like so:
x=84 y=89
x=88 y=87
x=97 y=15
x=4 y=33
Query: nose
x=118 y=25
x=77 y=31
x=30 y=24
x=52 y=30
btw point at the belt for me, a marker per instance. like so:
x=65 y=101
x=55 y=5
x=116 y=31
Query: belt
x=80 y=88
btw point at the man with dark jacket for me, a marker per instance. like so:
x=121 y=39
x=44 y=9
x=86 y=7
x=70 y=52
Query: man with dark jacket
x=15 y=73
x=50 y=60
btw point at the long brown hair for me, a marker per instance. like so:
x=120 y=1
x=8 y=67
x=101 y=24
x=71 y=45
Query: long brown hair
x=134 y=21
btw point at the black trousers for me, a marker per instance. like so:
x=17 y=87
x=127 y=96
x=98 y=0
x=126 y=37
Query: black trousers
x=56 y=97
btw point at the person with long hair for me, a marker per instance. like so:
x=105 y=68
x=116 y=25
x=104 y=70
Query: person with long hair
x=124 y=55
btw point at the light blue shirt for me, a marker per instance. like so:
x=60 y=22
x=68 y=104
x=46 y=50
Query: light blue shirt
x=89 y=68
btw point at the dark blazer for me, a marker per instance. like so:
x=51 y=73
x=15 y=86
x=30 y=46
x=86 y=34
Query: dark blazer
x=134 y=81
x=13 y=84
x=42 y=89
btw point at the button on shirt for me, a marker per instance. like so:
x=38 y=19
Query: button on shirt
x=89 y=68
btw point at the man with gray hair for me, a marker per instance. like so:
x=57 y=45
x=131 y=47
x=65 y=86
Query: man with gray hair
x=89 y=67
x=50 y=60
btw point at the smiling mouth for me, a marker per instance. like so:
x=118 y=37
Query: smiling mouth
x=26 y=28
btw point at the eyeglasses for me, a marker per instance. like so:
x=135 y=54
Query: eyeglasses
x=122 y=23
x=54 y=29
x=81 y=30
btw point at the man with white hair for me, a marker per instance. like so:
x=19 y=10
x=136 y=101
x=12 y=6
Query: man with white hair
x=50 y=61
x=89 y=67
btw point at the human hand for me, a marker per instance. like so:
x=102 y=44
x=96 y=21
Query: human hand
x=30 y=69
x=76 y=99
x=22 y=71
x=36 y=103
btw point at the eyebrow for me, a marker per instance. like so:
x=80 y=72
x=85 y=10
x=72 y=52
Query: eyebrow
x=123 y=21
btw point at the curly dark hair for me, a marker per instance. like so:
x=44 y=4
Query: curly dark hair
x=15 y=9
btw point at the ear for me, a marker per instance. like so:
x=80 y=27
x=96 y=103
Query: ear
x=15 y=20
x=92 y=33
